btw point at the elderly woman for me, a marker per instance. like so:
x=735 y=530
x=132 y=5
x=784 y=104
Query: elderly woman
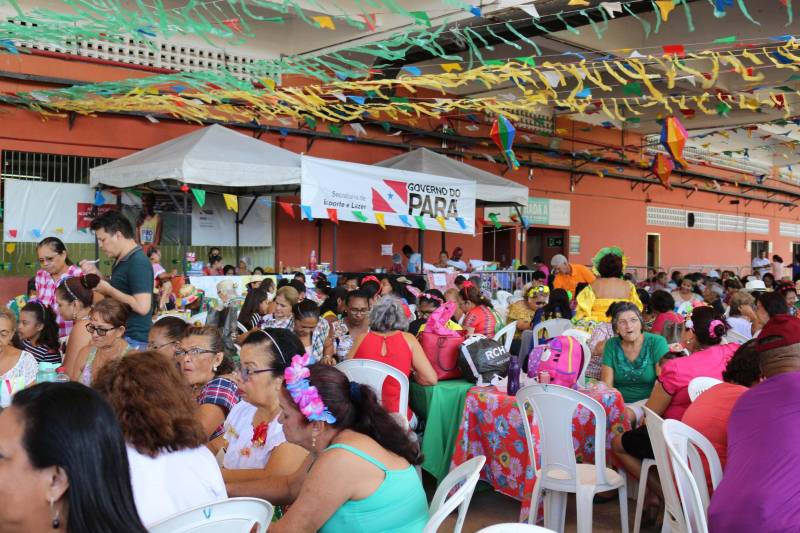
x=256 y=446
x=56 y=266
x=165 y=336
x=313 y=331
x=387 y=342
x=54 y=439
x=712 y=295
x=524 y=311
x=629 y=358
x=702 y=337
x=609 y=287
x=742 y=317
x=202 y=360
x=107 y=327
x=360 y=458
x=171 y=468
x=354 y=323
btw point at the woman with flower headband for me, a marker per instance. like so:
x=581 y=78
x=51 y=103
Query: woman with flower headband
x=702 y=337
x=75 y=297
x=609 y=287
x=256 y=446
x=359 y=475
x=171 y=468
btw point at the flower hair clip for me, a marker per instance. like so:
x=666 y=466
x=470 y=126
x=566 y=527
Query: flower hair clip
x=305 y=395
x=712 y=327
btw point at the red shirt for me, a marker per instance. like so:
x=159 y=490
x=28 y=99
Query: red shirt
x=709 y=415
x=658 y=324
x=398 y=355
x=482 y=320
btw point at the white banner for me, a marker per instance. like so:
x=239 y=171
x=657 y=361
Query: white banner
x=214 y=225
x=35 y=210
x=399 y=197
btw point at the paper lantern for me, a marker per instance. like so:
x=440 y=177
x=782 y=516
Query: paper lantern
x=663 y=167
x=502 y=134
x=673 y=137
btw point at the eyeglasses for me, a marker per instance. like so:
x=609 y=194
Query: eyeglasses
x=101 y=332
x=192 y=352
x=357 y=311
x=245 y=372
x=157 y=347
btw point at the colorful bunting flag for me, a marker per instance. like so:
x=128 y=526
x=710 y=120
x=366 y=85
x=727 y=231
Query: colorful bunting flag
x=495 y=221
x=37 y=233
x=360 y=216
x=287 y=208
x=12 y=232
x=10 y=247
x=461 y=222
x=420 y=222
x=665 y=7
x=442 y=222
x=333 y=215
x=404 y=220
x=231 y=202
x=199 y=196
x=324 y=21
x=305 y=211
x=99 y=199
x=379 y=218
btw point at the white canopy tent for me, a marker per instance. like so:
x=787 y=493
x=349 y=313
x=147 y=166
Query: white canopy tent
x=214 y=158
x=491 y=190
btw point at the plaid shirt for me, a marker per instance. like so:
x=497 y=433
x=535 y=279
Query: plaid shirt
x=46 y=293
x=221 y=392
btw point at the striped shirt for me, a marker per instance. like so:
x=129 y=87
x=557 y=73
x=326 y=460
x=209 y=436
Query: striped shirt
x=42 y=354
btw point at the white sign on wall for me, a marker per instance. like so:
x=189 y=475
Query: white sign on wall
x=215 y=225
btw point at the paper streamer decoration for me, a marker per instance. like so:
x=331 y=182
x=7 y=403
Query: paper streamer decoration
x=333 y=215
x=442 y=222
x=287 y=208
x=231 y=202
x=379 y=218
x=199 y=196
x=663 y=167
x=502 y=134
x=305 y=211
x=673 y=137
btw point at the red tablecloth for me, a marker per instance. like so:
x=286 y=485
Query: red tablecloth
x=492 y=426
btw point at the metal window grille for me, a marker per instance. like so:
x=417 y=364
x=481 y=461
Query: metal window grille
x=55 y=168
x=665 y=216
x=789 y=229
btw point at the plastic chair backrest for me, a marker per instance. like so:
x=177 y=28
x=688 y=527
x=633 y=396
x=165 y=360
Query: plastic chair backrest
x=688 y=443
x=515 y=528
x=502 y=298
x=506 y=335
x=553 y=408
x=735 y=337
x=674 y=515
x=466 y=475
x=235 y=515
x=701 y=384
x=554 y=327
x=374 y=373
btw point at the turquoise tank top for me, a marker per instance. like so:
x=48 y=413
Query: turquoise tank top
x=399 y=505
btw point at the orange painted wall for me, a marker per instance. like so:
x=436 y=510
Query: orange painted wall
x=604 y=211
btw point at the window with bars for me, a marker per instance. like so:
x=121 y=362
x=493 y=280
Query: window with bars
x=54 y=168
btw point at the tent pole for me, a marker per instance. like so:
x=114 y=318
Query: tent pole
x=521 y=237
x=319 y=241
x=333 y=260
x=421 y=247
x=184 y=227
x=240 y=221
x=444 y=242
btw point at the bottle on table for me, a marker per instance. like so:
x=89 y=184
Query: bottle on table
x=513 y=375
x=61 y=375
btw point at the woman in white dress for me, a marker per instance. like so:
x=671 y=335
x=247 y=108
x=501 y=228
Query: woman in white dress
x=255 y=444
x=17 y=368
x=172 y=470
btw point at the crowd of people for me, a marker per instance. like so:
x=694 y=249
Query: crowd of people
x=161 y=415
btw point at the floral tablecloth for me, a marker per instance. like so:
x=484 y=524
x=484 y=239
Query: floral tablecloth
x=492 y=426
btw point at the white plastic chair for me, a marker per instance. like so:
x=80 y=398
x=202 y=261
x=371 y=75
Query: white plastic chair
x=515 y=528
x=735 y=337
x=673 y=512
x=466 y=475
x=683 y=443
x=503 y=297
x=701 y=384
x=235 y=515
x=647 y=464
x=506 y=335
x=554 y=327
x=559 y=474
x=374 y=373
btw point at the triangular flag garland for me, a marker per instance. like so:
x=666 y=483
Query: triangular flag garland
x=420 y=222
x=495 y=222
x=306 y=212
x=200 y=196
x=360 y=216
x=404 y=220
x=333 y=215
x=231 y=202
x=99 y=199
x=461 y=222
x=287 y=208
x=379 y=218
x=442 y=222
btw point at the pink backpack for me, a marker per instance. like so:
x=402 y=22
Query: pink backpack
x=562 y=357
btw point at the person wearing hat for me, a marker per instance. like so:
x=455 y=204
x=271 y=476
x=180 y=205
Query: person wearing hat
x=759 y=489
x=567 y=275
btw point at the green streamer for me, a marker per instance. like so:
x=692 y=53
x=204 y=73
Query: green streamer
x=513 y=30
x=688 y=12
x=658 y=15
x=746 y=13
x=560 y=17
x=645 y=25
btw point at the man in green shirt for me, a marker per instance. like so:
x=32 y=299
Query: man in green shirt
x=131 y=276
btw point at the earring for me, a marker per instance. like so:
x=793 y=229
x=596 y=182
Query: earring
x=56 y=515
x=313 y=442
x=215 y=368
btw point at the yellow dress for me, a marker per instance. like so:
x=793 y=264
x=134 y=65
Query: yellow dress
x=519 y=311
x=592 y=308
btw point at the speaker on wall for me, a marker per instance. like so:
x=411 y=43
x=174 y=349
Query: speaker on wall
x=690 y=220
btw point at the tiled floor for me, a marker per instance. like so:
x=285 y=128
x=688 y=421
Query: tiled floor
x=489 y=507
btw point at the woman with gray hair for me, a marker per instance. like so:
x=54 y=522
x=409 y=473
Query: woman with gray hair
x=630 y=357
x=388 y=342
